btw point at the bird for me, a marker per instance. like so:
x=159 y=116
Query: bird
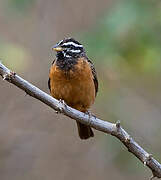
x=73 y=79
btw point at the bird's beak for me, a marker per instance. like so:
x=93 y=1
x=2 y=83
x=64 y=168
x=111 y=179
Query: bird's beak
x=57 y=48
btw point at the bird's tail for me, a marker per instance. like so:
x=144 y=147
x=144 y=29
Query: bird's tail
x=84 y=131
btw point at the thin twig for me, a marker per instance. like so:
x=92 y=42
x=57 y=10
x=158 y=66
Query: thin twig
x=104 y=126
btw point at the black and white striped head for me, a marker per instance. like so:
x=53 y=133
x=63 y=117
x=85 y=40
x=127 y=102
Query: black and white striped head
x=68 y=48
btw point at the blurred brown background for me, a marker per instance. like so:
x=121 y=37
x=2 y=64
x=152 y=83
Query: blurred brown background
x=123 y=40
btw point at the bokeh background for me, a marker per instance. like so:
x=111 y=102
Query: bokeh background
x=123 y=39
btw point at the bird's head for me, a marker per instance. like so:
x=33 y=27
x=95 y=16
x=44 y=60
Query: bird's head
x=68 y=48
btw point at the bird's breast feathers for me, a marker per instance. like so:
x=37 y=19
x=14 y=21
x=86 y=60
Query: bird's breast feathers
x=76 y=86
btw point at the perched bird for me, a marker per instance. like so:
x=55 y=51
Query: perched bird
x=73 y=78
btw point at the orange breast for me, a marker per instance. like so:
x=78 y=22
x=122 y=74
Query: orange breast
x=75 y=87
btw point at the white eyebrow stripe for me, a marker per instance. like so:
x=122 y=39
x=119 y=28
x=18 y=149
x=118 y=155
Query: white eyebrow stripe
x=72 y=43
x=75 y=51
x=60 y=42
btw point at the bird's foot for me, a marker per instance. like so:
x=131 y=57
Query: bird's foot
x=90 y=114
x=61 y=106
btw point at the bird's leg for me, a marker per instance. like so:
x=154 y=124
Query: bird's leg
x=90 y=115
x=62 y=105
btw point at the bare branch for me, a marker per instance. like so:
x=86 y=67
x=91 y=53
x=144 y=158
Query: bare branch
x=104 y=126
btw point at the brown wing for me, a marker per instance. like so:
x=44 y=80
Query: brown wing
x=49 y=78
x=94 y=75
